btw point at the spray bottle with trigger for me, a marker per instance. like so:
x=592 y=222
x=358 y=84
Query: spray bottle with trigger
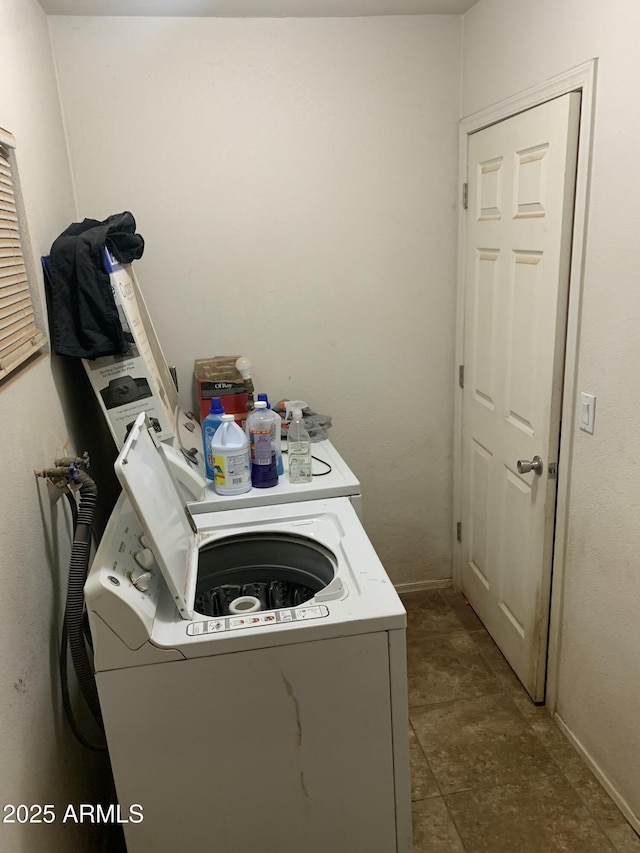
x=243 y=366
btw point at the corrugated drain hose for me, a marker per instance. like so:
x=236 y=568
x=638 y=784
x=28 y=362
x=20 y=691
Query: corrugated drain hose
x=73 y=626
x=67 y=475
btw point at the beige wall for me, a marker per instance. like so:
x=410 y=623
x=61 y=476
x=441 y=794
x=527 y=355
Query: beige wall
x=40 y=761
x=295 y=181
x=510 y=45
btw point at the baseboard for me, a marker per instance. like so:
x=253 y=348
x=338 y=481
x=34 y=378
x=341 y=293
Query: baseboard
x=419 y=586
x=604 y=780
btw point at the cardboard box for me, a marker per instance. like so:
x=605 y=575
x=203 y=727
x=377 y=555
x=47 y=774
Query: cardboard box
x=219 y=377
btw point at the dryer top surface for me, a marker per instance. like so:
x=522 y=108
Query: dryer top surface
x=332 y=478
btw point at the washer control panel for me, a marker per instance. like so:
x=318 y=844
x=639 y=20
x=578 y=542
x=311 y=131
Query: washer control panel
x=124 y=582
x=253 y=620
x=134 y=562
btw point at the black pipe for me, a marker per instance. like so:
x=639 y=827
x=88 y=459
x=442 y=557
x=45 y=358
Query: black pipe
x=73 y=629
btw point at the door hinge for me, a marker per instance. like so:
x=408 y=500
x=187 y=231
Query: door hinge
x=461 y=375
x=459 y=531
x=465 y=196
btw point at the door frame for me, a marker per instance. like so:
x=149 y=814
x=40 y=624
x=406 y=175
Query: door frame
x=582 y=78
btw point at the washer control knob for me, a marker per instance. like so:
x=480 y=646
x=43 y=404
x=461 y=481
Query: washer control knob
x=141 y=580
x=145 y=558
x=143 y=541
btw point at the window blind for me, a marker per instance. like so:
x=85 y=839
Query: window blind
x=19 y=335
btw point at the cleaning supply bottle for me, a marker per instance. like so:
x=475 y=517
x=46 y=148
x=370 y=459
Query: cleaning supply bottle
x=264 y=466
x=209 y=426
x=230 y=451
x=277 y=435
x=299 y=450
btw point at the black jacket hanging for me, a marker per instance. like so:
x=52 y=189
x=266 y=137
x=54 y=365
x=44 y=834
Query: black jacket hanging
x=84 y=317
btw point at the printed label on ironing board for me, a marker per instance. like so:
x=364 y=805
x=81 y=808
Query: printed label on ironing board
x=251 y=620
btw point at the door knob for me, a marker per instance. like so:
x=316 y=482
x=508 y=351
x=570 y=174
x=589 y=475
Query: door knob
x=536 y=464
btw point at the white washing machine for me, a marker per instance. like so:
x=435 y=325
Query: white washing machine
x=280 y=729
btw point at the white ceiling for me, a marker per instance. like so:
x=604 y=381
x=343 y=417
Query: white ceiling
x=257 y=8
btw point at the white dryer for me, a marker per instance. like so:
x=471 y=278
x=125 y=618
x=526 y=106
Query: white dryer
x=332 y=478
x=284 y=729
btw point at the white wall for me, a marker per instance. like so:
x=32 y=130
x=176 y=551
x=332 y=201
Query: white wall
x=295 y=181
x=510 y=45
x=41 y=763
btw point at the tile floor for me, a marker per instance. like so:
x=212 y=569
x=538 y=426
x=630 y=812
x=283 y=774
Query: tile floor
x=491 y=772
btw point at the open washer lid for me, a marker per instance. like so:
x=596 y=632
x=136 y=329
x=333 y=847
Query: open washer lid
x=143 y=471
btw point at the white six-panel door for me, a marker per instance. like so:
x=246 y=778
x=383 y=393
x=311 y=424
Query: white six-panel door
x=521 y=176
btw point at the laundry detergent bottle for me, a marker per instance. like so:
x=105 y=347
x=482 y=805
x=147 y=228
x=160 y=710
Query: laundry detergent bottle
x=209 y=427
x=264 y=466
x=231 y=463
x=277 y=435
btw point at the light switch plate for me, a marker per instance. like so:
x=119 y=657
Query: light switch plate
x=587 y=412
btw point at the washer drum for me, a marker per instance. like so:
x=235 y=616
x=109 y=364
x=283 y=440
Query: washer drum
x=278 y=569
